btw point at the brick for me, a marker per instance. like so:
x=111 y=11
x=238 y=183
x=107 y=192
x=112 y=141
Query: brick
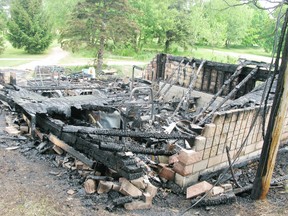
x=221 y=149
x=198 y=189
x=250 y=148
x=104 y=187
x=173 y=159
x=225 y=128
x=184 y=181
x=232 y=126
x=136 y=205
x=213 y=151
x=209 y=142
x=218 y=130
x=139 y=183
x=147 y=198
x=90 y=186
x=234 y=116
x=206 y=153
x=188 y=157
x=214 y=160
x=199 y=166
x=227 y=187
x=216 y=140
x=151 y=189
x=218 y=119
x=216 y=190
x=209 y=130
x=199 y=143
x=223 y=138
x=183 y=169
x=259 y=145
x=167 y=173
x=129 y=189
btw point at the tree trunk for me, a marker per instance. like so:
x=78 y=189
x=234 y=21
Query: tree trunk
x=100 y=55
x=167 y=45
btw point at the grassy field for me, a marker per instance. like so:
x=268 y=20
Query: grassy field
x=14 y=57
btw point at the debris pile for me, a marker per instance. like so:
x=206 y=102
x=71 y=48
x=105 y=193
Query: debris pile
x=130 y=138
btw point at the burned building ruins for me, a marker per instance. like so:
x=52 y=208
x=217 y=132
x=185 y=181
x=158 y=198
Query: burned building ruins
x=182 y=120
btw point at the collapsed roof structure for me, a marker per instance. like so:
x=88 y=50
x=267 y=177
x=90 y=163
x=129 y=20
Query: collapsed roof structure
x=189 y=117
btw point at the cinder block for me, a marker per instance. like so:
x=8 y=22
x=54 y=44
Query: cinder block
x=188 y=157
x=259 y=137
x=183 y=169
x=139 y=183
x=216 y=140
x=227 y=187
x=224 y=157
x=232 y=126
x=238 y=126
x=147 y=198
x=104 y=187
x=225 y=128
x=129 y=189
x=198 y=189
x=235 y=116
x=218 y=119
x=201 y=165
x=151 y=189
x=184 y=181
x=209 y=142
x=218 y=130
x=213 y=151
x=217 y=190
x=233 y=144
x=259 y=145
x=214 y=160
x=250 y=148
x=223 y=138
x=206 y=153
x=209 y=130
x=199 y=143
x=221 y=149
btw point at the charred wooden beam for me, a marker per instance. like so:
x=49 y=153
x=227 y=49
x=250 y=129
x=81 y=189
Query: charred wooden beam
x=226 y=198
x=121 y=133
x=70 y=150
x=134 y=149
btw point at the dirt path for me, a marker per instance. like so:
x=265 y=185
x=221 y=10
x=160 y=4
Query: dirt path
x=52 y=59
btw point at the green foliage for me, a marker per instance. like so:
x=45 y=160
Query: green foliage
x=95 y=22
x=3 y=21
x=28 y=26
x=58 y=12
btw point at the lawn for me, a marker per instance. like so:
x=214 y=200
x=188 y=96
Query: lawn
x=14 y=57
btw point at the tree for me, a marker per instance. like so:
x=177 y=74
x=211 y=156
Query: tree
x=58 y=12
x=3 y=21
x=28 y=26
x=95 y=22
x=227 y=24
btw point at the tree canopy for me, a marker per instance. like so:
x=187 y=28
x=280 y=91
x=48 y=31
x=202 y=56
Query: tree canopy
x=95 y=22
x=29 y=26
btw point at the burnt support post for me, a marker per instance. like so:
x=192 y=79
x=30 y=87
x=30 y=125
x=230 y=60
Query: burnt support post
x=269 y=152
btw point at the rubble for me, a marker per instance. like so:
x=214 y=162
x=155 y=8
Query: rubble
x=137 y=137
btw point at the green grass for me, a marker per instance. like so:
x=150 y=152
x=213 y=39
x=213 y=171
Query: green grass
x=15 y=57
